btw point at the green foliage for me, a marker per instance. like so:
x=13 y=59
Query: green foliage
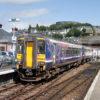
x=73 y=32
x=41 y=28
x=57 y=36
x=73 y=26
x=29 y=29
x=52 y=27
x=55 y=27
x=37 y=27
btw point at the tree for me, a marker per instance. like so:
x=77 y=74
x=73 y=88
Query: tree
x=37 y=27
x=73 y=32
x=42 y=28
x=52 y=27
x=29 y=29
x=57 y=36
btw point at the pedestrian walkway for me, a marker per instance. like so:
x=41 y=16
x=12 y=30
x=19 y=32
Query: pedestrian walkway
x=94 y=91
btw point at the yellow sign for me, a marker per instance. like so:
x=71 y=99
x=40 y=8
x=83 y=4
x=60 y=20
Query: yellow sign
x=19 y=57
x=41 y=58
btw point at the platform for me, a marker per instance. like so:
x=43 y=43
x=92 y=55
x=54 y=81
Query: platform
x=94 y=90
x=6 y=71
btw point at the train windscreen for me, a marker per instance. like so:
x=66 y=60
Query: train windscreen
x=20 y=50
x=41 y=47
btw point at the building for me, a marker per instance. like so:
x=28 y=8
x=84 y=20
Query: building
x=5 y=40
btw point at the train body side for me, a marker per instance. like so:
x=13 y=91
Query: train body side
x=60 y=53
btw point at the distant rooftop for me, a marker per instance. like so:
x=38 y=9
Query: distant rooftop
x=91 y=40
x=5 y=36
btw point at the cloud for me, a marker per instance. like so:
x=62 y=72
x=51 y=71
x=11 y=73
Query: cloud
x=20 y=1
x=30 y=13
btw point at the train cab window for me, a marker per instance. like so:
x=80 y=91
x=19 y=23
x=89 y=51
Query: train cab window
x=41 y=47
x=20 y=48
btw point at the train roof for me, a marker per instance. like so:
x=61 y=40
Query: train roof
x=52 y=40
x=35 y=35
x=66 y=43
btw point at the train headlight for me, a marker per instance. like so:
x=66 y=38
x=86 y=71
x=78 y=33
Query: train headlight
x=16 y=60
x=44 y=67
x=41 y=65
x=28 y=72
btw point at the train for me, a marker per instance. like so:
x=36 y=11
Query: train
x=40 y=57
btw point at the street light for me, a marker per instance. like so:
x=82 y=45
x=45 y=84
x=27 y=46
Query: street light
x=14 y=20
x=14 y=29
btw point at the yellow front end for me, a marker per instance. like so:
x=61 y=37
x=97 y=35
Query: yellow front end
x=41 y=53
x=31 y=58
x=41 y=61
x=41 y=58
x=19 y=59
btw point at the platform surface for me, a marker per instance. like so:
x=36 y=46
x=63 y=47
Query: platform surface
x=94 y=90
x=6 y=70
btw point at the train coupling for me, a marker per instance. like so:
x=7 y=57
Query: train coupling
x=29 y=72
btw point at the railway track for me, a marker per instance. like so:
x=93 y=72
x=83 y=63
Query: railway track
x=57 y=88
x=39 y=90
x=10 y=89
x=26 y=93
x=67 y=87
x=7 y=87
x=23 y=90
x=52 y=92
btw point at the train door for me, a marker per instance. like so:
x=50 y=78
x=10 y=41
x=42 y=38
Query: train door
x=29 y=54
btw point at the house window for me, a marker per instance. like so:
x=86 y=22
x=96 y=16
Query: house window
x=2 y=48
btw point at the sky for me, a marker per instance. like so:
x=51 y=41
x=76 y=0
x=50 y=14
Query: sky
x=46 y=12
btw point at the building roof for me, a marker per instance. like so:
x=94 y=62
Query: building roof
x=5 y=36
x=91 y=40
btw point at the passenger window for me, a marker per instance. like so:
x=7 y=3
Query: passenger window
x=41 y=47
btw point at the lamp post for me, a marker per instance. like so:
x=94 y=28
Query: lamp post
x=14 y=29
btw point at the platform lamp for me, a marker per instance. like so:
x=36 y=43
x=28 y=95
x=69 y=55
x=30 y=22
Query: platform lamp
x=14 y=30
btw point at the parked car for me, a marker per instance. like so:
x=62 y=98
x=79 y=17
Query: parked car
x=6 y=57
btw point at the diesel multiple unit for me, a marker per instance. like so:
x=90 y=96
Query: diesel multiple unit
x=40 y=57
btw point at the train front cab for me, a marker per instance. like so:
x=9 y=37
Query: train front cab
x=31 y=58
